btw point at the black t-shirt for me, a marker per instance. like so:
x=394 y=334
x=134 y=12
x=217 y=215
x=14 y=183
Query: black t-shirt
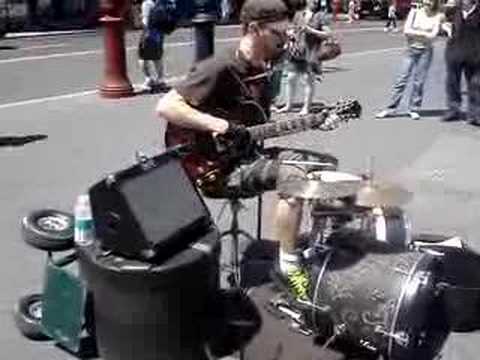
x=228 y=86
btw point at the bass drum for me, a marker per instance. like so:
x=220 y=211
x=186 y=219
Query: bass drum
x=383 y=302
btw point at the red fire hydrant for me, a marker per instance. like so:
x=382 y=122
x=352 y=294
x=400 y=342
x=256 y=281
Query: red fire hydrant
x=115 y=83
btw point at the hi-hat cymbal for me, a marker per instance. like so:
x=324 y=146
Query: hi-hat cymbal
x=318 y=190
x=382 y=194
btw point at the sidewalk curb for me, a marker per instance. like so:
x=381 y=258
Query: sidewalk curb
x=33 y=34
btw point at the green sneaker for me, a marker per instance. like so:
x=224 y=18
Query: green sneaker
x=299 y=283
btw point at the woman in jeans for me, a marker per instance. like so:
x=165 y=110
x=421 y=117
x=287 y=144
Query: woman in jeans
x=421 y=28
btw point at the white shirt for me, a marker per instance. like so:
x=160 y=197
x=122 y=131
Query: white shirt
x=421 y=28
x=147 y=6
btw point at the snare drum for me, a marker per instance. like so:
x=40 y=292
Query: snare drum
x=383 y=302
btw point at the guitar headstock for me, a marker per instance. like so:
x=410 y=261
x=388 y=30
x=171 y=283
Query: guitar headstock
x=341 y=111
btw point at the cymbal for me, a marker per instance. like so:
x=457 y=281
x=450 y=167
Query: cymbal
x=382 y=194
x=318 y=190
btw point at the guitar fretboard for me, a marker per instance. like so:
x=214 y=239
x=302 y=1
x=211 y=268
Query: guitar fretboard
x=286 y=127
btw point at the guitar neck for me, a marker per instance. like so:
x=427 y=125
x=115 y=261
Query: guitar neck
x=287 y=127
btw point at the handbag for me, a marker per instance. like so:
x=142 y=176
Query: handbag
x=296 y=46
x=329 y=50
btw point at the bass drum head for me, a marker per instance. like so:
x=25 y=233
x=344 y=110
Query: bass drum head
x=382 y=302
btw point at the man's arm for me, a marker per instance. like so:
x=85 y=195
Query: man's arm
x=173 y=108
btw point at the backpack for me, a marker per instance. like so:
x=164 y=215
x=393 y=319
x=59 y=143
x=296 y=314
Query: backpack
x=164 y=16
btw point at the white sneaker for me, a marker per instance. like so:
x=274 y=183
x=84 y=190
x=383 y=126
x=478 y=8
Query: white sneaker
x=386 y=29
x=385 y=113
x=414 y=115
x=395 y=30
x=148 y=84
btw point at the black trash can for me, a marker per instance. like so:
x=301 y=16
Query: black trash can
x=152 y=312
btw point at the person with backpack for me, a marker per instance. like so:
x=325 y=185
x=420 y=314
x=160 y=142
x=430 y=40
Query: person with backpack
x=156 y=20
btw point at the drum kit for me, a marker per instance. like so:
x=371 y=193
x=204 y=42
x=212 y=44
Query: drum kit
x=372 y=284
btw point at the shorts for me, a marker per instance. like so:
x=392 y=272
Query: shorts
x=150 y=46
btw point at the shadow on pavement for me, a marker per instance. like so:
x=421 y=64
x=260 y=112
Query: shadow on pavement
x=8 y=47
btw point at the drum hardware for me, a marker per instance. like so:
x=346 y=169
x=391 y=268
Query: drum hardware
x=301 y=329
x=309 y=163
x=452 y=242
x=338 y=330
x=400 y=337
x=368 y=345
x=281 y=309
x=318 y=190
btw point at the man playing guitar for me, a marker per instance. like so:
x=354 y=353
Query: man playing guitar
x=208 y=102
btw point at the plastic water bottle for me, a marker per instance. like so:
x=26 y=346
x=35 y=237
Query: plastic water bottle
x=84 y=229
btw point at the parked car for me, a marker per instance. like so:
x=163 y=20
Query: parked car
x=379 y=8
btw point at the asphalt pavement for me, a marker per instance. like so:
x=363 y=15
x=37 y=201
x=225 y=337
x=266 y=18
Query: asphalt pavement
x=48 y=87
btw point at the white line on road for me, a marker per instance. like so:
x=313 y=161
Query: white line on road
x=47 y=33
x=35 y=47
x=171 y=79
x=67 y=96
x=131 y=48
x=367 y=52
x=98 y=51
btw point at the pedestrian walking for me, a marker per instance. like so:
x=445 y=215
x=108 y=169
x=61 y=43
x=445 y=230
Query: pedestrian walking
x=150 y=51
x=337 y=5
x=352 y=11
x=226 y=10
x=421 y=28
x=306 y=36
x=462 y=55
x=391 y=17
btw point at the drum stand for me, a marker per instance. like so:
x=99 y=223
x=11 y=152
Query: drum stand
x=235 y=232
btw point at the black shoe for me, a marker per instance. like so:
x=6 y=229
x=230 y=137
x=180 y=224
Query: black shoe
x=474 y=121
x=451 y=116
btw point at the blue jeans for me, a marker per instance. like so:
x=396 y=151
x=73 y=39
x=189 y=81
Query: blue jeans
x=416 y=61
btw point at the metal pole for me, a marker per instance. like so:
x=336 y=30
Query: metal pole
x=203 y=21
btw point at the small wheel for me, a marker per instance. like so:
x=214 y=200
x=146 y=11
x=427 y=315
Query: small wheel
x=49 y=230
x=28 y=315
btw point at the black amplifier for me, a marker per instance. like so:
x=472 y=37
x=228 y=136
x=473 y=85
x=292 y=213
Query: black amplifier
x=149 y=211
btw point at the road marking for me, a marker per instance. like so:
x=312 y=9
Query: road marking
x=99 y=51
x=171 y=79
x=47 y=33
x=69 y=96
x=131 y=48
x=368 y=52
x=41 y=46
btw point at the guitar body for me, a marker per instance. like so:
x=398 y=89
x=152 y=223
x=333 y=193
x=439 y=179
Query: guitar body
x=204 y=163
